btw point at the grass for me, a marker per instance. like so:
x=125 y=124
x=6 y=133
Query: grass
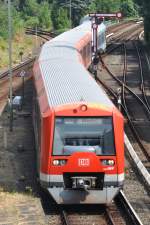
x=21 y=43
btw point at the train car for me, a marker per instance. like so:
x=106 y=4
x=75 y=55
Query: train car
x=78 y=131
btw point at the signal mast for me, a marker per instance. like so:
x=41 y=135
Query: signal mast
x=97 y=19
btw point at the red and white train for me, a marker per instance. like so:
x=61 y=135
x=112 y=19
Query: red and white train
x=78 y=131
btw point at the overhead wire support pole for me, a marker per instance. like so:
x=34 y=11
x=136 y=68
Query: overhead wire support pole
x=36 y=37
x=10 y=66
x=70 y=14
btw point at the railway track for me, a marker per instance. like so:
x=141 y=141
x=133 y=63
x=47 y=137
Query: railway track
x=141 y=68
x=126 y=111
x=23 y=66
x=134 y=188
x=118 y=213
x=121 y=25
x=141 y=101
x=108 y=216
x=46 y=35
x=29 y=209
x=121 y=37
x=88 y=216
x=17 y=80
x=28 y=62
x=128 y=108
x=131 y=86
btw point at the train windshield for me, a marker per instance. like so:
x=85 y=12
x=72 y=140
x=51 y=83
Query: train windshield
x=84 y=134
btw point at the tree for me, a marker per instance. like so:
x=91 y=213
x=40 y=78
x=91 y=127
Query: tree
x=42 y=13
x=3 y=21
x=146 y=7
x=60 y=18
x=128 y=8
x=79 y=8
x=107 y=6
x=17 y=21
x=92 y=7
x=31 y=8
x=37 y=14
x=45 y=15
x=32 y=22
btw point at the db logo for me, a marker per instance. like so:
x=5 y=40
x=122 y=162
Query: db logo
x=83 y=162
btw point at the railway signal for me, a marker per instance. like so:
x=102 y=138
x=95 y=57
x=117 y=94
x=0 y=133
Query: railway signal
x=97 y=19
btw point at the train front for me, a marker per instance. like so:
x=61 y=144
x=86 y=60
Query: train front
x=86 y=154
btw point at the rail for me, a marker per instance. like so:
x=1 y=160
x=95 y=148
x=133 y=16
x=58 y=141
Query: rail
x=134 y=130
x=46 y=35
x=121 y=198
x=64 y=218
x=21 y=65
x=131 y=151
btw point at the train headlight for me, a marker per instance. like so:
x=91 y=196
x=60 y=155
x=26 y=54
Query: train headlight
x=108 y=162
x=59 y=162
x=62 y=162
x=111 y=162
x=55 y=162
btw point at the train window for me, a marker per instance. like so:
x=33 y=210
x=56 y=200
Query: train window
x=83 y=135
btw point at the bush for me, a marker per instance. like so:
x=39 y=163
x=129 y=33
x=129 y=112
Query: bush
x=32 y=22
x=3 y=21
x=45 y=16
x=17 y=22
x=60 y=18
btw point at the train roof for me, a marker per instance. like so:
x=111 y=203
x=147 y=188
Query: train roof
x=65 y=78
x=72 y=37
x=57 y=52
x=67 y=82
x=62 y=45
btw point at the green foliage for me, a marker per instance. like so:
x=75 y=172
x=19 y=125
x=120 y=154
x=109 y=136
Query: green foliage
x=107 y=6
x=31 y=8
x=32 y=22
x=3 y=21
x=25 y=13
x=144 y=8
x=92 y=7
x=3 y=44
x=47 y=13
x=37 y=14
x=45 y=16
x=17 y=21
x=60 y=18
x=79 y=9
x=128 y=8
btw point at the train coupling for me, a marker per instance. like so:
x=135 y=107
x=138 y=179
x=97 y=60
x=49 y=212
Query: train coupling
x=83 y=182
